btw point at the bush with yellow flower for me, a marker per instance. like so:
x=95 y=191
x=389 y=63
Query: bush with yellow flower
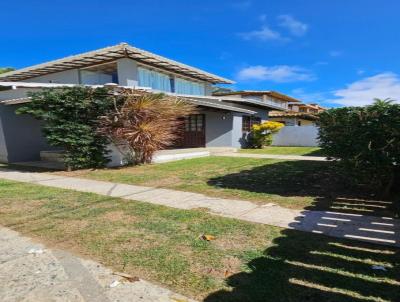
x=262 y=133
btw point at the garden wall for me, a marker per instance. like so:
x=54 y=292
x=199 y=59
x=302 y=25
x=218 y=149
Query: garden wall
x=300 y=136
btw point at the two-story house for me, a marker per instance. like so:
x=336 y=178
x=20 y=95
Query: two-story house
x=220 y=122
x=298 y=114
x=277 y=101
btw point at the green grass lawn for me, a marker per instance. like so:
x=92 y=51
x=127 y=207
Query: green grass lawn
x=246 y=262
x=291 y=184
x=309 y=151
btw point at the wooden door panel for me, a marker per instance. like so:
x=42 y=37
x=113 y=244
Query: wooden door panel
x=194 y=131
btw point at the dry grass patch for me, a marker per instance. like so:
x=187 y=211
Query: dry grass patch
x=245 y=261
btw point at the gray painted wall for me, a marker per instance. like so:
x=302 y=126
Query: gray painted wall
x=238 y=140
x=218 y=128
x=15 y=93
x=224 y=129
x=21 y=137
x=3 y=147
x=306 y=136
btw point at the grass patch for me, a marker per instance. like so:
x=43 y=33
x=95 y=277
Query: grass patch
x=291 y=184
x=246 y=262
x=309 y=151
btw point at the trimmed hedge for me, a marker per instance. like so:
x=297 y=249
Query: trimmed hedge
x=366 y=142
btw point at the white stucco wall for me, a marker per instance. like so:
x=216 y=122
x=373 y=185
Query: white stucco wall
x=296 y=136
x=127 y=72
x=64 y=77
x=88 y=77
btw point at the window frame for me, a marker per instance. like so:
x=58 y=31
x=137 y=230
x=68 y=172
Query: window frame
x=249 y=121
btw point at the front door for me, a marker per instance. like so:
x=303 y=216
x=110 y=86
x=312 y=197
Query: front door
x=194 y=134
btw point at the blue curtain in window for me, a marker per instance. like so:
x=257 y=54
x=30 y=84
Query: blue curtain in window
x=154 y=79
x=188 y=87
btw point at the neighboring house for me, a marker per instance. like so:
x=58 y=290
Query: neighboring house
x=278 y=101
x=298 y=114
x=222 y=121
x=306 y=108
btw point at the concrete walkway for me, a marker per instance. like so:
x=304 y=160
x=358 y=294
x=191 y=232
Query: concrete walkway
x=273 y=156
x=30 y=272
x=381 y=230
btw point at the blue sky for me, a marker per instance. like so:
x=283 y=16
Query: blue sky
x=336 y=53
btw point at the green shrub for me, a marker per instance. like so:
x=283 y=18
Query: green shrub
x=261 y=134
x=365 y=141
x=70 y=118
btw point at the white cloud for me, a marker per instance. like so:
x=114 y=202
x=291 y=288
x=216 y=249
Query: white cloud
x=279 y=74
x=264 y=34
x=295 y=27
x=362 y=92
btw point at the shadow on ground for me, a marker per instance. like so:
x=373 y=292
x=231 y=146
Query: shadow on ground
x=299 y=268
x=311 y=267
x=318 y=152
x=318 y=180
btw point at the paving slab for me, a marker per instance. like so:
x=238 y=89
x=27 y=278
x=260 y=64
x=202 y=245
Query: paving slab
x=32 y=272
x=380 y=230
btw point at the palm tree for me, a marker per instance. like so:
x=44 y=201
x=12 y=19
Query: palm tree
x=382 y=103
x=145 y=123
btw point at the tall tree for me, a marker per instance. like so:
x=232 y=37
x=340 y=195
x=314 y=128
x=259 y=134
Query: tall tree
x=6 y=69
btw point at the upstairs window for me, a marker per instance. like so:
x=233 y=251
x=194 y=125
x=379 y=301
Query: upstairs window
x=183 y=86
x=154 y=79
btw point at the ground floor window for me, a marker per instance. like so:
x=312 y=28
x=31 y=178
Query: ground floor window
x=249 y=121
x=194 y=123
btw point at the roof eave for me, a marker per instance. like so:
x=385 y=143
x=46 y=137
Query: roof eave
x=254 y=102
x=109 y=54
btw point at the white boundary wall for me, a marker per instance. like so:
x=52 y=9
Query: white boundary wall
x=300 y=136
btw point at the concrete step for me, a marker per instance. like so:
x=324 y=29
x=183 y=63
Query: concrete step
x=187 y=153
x=218 y=150
x=162 y=157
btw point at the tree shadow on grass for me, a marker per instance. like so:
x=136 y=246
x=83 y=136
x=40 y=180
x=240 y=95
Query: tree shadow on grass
x=302 y=266
x=308 y=267
x=313 y=179
x=318 y=152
